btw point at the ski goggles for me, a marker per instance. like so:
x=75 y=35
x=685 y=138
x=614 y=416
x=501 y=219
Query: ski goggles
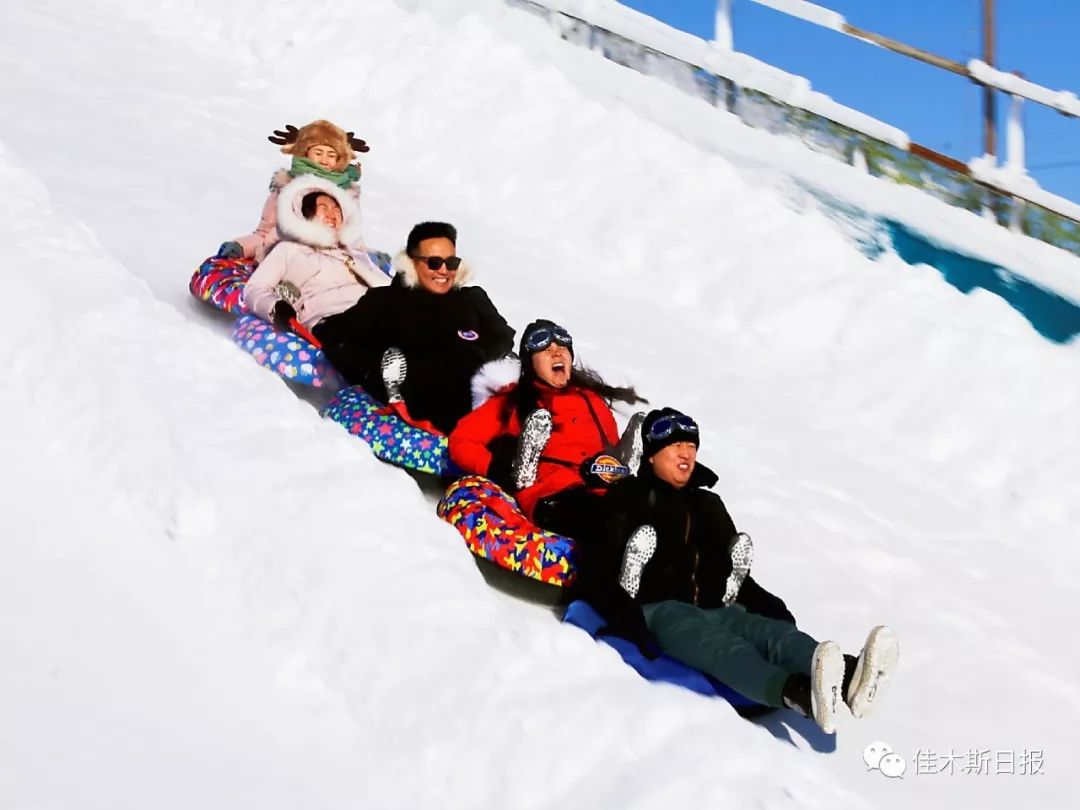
x=666 y=425
x=436 y=262
x=542 y=337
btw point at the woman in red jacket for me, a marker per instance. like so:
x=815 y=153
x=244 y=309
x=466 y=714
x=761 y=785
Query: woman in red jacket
x=545 y=437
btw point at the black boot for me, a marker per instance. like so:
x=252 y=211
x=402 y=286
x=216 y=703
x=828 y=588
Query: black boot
x=850 y=663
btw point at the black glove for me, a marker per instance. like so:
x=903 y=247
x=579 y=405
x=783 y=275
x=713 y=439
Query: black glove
x=625 y=620
x=230 y=250
x=602 y=470
x=281 y=314
x=501 y=469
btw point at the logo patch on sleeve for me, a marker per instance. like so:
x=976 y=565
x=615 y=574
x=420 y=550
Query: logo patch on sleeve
x=468 y=334
x=609 y=469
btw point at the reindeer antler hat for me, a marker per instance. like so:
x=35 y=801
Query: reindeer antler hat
x=297 y=142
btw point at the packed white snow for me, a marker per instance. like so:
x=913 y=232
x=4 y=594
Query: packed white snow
x=210 y=597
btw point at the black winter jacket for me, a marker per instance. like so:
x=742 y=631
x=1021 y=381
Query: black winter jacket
x=445 y=339
x=691 y=562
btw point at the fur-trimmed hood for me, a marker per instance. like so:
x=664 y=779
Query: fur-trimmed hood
x=404 y=267
x=291 y=224
x=495 y=377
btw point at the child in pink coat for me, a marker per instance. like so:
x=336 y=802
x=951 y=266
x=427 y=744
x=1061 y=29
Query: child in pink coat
x=321 y=149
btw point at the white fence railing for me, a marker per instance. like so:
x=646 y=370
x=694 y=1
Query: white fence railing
x=766 y=97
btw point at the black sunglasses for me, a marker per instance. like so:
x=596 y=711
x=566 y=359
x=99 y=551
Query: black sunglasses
x=436 y=262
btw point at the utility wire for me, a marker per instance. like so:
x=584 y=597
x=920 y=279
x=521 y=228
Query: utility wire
x=1059 y=165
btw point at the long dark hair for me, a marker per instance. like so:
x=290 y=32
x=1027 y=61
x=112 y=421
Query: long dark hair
x=524 y=399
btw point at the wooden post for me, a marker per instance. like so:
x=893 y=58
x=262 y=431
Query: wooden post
x=989 y=97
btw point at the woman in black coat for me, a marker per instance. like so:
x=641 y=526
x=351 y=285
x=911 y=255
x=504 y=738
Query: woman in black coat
x=445 y=330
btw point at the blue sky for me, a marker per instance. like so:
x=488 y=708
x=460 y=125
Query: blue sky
x=1041 y=38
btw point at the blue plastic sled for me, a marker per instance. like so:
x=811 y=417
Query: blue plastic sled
x=664 y=669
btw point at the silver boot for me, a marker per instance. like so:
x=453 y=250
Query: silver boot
x=742 y=557
x=630 y=445
x=393 y=368
x=639 y=550
x=534 y=438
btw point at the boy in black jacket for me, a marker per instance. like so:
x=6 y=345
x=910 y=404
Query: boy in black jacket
x=669 y=570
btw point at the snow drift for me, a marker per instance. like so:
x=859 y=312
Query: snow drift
x=211 y=596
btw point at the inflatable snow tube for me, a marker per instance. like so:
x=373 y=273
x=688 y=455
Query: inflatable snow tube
x=220 y=283
x=663 y=669
x=287 y=355
x=392 y=439
x=495 y=529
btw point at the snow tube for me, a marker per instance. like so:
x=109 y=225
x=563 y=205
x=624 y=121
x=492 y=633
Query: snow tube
x=663 y=669
x=288 y=355
x=495 y=529
x=392 y=439
x=220 y=283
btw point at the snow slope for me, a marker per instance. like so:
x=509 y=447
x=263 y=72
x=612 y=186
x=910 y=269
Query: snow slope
x=209 y=596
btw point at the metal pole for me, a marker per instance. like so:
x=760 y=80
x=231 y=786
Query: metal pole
x=989 y=96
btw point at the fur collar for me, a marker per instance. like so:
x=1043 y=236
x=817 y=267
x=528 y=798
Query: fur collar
x=293 y=227
x=493 y=378
x=404 y=267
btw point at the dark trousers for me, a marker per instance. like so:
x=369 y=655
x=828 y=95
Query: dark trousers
x=752 y=654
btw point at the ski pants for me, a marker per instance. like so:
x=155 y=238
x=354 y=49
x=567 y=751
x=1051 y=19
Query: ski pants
x=752 y=654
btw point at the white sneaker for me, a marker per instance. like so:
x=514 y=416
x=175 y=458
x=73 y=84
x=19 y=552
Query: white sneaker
x=742 y=557
x=826 y=684
x=393 y=369
x=639 y=550
x=878 y=659
x=534 y=438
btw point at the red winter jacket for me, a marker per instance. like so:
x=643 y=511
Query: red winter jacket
x=578 y=432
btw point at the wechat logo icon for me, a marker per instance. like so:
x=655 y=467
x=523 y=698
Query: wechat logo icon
x=879 y=756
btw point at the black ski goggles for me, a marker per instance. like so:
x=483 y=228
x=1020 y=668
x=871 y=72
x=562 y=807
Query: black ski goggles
x=543 y=336
x=436 y=262
x=666 y=425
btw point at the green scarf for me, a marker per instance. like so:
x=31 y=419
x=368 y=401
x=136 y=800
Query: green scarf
x=302 y=165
